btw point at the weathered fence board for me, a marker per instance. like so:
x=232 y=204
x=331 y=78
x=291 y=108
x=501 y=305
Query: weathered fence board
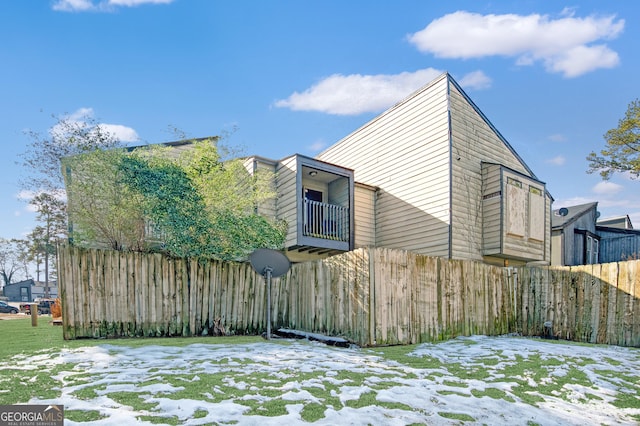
x=590 y=303
x=370 y=296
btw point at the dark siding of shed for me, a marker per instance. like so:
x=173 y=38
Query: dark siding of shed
x=615 y=247
x=574 y=241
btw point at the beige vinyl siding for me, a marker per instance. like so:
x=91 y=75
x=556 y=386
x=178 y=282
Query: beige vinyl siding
x=515 y=215
x=286 y=202
x=519 y=244
x=404 y=152
x=364 y=215
x=338 y=192
x=491 y=209
x=473 y=141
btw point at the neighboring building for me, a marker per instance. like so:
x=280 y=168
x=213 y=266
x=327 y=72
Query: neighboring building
x=20 y=291
x=579 y=238
x=620 y=222
x=29 y=290
x=573 y=235
x=38 y=291
x=618 y=240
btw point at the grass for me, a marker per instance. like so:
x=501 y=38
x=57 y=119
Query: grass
x=259 y=391
x=45 y=338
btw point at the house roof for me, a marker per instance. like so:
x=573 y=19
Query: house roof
x=623 y=222
x=175 y=144
x=29 y=282
x=616 y=230
x=559 y=220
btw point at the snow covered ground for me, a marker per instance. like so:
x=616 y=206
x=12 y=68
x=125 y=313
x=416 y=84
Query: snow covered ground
x=473 y=380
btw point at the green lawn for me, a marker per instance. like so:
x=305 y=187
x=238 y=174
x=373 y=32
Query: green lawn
x=227 y=380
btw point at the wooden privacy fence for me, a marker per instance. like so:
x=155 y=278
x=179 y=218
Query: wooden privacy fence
x=589 y=303
x=369 y=296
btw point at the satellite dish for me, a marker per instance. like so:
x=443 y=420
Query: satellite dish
x=269 y=263
x=563 y=211
x=263 y=260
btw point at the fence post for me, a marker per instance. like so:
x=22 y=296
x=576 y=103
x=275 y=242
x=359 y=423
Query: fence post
x=33 y=309
x=372 y=297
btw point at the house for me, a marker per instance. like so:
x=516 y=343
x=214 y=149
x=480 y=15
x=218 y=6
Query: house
x=620 y=222
x=578 y=237
x=40 y=290
x=29 y=290
x=618 y=240
x=430 y=175
x=20 y=291
x=573 y=235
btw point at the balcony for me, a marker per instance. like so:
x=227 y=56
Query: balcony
x=325 y=221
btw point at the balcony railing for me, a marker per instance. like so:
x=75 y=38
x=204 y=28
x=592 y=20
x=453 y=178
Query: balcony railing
x=328 y=221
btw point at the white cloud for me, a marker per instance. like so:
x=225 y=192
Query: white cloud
x=100 y=5
x=356 y=93
x=573 y=201
x=83 y=117
x=607 y=188
x=582 y=59
x=81 y=114
x=317 y=146
x=563 y=45
x=558 y=138
x=133 y=3
x=122 y=133
x=628 y=176
x=475 y=80
x=558 y=160
x=73 y=5
x=27 y=195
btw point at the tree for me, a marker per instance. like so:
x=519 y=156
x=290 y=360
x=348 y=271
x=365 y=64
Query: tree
x=230 y=194
x=52 y=215
x=24 y=254
x=9 y=260
x=103 y=209
x=198 y=204
x=42 y=161
x=225 y=185
x=171 y=203
x=622 y=152
x=66 y=138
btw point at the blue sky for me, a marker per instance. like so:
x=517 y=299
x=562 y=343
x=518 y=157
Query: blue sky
x=285 y=77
